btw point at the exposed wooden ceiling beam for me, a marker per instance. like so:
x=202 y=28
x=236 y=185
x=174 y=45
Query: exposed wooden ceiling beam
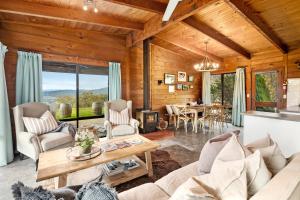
x=60 y=13
x=214 y=34
x=151 y=6
x=249 y=14
x=155 y=25
x=192 y=49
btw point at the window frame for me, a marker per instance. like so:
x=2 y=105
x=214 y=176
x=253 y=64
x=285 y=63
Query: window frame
x=77 y=73
x=222 y=83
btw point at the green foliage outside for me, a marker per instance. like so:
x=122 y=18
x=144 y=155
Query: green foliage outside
x=216 y=88
x=266 y=87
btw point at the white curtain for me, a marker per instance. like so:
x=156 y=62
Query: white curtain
x=239 y=99
x=206 y=98
x=115 y=87
x=6 y=146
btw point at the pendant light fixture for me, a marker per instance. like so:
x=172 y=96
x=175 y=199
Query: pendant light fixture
x=88 y=3
x=206 y=64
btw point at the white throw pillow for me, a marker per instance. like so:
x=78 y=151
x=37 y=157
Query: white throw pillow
x=256 y=170
x=258 y=174
x=270 y=152
x=227 y=181
x=191 y=190
x=273 y=158
x=119 y=118
x=44 y=124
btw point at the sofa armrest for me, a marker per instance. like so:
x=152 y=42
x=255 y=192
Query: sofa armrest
x=108 y=128
x=27 y=140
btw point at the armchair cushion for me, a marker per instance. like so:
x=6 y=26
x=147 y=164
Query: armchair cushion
x=121 y=130
x=55 y=139
x=44 y=124
x=118 y=118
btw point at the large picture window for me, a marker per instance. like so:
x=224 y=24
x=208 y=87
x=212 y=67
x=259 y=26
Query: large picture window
x=222 y=86
x=76 y=92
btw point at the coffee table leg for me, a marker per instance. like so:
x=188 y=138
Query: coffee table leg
x=62 y=181
x=149 y=163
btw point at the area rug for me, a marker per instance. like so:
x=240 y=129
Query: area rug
x=164 y=161
x=159 y=135
x=162 y=165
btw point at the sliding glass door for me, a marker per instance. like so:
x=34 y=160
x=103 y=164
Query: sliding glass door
x=222 y=86
x=76 y=92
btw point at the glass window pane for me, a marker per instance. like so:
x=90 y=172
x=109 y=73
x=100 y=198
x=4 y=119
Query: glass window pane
x=59 y=89
x=265 y=109
x=228 y=88
x=266 y=86
x=93 y=90
x=216 y=89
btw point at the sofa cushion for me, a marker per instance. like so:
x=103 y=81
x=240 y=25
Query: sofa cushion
x=271 y=153
x=55 y=139
x=210 y=151
x=121 y=130
x=257 y=173
x=173 y=180
x=285 y=185
x=191 y=190
x=148 y=191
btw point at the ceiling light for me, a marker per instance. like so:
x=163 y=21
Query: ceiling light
x=90 y=3
x=206 y=64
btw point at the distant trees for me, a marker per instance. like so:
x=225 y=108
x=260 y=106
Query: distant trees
x=86 y=99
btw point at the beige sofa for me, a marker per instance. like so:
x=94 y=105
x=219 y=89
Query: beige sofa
x=284 y=186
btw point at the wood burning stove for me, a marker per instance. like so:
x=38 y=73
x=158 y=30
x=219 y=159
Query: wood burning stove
x=148 y=120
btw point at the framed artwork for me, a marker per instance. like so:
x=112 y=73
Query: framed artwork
x=185 y=87
x=171 y=88
x=169 y=79
x=181 y=76
x=179 y=86
x=191 y=78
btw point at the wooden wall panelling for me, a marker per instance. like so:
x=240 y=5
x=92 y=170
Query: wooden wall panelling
x=292 y=57
x=164 y=61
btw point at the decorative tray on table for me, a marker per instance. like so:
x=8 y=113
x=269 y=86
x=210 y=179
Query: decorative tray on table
x=75 y=153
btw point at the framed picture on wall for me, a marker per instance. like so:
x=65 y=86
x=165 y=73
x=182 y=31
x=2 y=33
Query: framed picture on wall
x=191 y=78
x=185 y=87
x=170 y=79
x=181 y=76
x=179 y=86
x=171 y=88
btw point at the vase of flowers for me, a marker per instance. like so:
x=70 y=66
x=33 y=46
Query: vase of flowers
x=85 y=140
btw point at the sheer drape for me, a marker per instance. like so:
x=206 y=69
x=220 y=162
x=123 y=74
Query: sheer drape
x=115 y=89
x=239 y=99
x=6 y=146
x=206 y=97
x=28 y=78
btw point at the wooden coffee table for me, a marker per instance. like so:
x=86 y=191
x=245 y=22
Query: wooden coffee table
x=55 y=163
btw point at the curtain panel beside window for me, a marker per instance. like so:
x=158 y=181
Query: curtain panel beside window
x=6 y=146
x=115 y=87
x=239 y=98
x=28 y=78
x=206 y=98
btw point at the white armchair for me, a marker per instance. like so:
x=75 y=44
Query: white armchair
x=120 y=130
x=30 y=144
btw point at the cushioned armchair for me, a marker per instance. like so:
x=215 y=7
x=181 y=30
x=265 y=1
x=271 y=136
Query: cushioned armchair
x=114 y=130
x=31 y=144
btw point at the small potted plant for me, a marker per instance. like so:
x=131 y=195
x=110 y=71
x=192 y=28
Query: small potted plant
x=85 y=140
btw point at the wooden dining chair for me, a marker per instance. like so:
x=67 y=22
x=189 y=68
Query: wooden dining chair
x=184 y=114
x=171 y=115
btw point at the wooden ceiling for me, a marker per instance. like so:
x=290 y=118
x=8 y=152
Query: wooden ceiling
x=232 y=27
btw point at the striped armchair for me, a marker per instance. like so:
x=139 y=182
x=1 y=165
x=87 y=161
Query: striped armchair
x=115 y=130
